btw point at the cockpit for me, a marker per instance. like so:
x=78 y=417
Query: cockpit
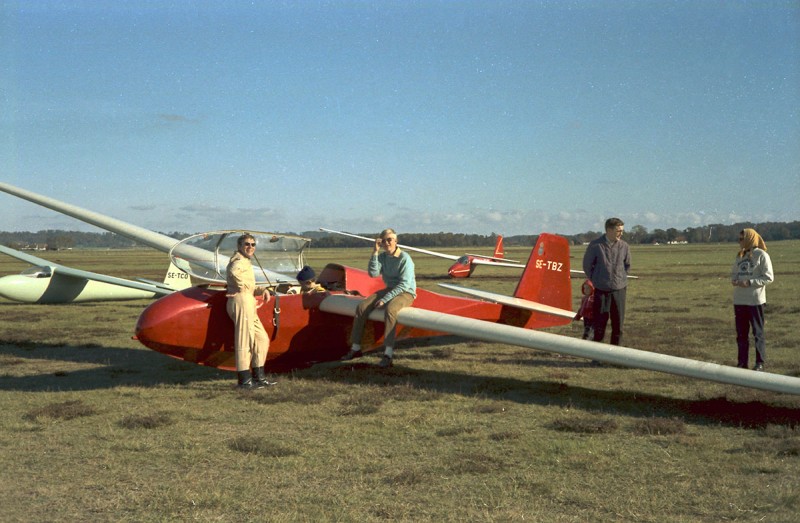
x=205 y=256
x=37 y=272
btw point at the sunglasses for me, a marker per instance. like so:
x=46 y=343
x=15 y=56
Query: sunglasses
x=249 y=244
x=388 y=240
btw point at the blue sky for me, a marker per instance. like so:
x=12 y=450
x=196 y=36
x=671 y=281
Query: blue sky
x=477 y=116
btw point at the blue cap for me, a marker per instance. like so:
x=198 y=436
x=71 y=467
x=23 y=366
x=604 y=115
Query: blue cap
x=305 y=274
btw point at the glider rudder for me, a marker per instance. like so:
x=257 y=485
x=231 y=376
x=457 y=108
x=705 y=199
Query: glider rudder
x=499 y=251
x=546 y=276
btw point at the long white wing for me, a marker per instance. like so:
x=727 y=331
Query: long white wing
x=138 y=234
x=406 y=247
x=615 y=355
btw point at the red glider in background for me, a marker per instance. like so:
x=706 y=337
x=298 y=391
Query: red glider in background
x=464 y=265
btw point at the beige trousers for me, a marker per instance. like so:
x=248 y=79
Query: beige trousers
x=250 y=339
x=391 y=309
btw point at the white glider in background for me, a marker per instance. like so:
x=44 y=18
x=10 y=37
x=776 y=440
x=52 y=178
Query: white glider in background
x=287 y=250
x=48 y=282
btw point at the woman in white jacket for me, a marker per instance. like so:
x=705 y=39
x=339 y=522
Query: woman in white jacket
x=751 y=273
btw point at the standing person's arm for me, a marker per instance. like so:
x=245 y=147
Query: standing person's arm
x=762 y=275
x=589 y=260
x=627 y=258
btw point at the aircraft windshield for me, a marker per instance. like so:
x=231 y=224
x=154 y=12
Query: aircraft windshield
x=205 y=256
x=37 y=272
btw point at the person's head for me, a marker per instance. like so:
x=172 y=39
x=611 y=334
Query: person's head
x=306 y=275
x=749 y=239
x=614 y=229
x=389 y=239
x=246 y=244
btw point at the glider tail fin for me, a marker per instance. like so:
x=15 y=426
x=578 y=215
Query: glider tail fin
x=176 y=278
x=499 y=251
x=546 y=278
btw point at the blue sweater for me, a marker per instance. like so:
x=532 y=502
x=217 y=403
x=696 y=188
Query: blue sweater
x=397 y=273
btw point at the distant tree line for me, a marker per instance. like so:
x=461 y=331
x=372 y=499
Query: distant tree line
x=638 y=234
x=58 y=239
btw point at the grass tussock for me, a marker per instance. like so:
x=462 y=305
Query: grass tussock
x=65 y=410
x=146 y=421
x=359 y=406
x=659 y=427
x=261 y=447
x=410 y=477
x=585 y=425
x=475 y=463
x=450 y=432
x=288 y=392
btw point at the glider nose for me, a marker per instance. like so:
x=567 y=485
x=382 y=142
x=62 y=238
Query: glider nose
x=157 y=325
x=22 y=288
x=458 y=270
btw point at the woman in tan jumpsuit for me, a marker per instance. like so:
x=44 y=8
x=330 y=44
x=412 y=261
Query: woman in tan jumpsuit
x=251 y=342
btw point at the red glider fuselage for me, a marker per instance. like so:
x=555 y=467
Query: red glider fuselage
x=462 y=268
x=193 y=324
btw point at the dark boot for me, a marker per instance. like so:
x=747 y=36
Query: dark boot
x=245 y=380
x=260 y=379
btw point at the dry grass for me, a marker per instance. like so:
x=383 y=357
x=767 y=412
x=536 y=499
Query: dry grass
x=94 y=427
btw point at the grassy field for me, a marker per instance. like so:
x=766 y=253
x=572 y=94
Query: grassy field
x=95 y=427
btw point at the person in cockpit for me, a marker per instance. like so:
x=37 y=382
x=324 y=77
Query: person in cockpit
x=308 y=283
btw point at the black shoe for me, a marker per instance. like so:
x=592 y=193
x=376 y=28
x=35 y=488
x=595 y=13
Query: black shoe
x=759 y=367
x=385 y=362
x=741 y=366
x=351 y=355
x=245 y=380
x=260 y=379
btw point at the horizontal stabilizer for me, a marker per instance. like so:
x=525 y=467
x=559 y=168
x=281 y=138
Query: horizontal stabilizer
x=510 y=301
x=485 y=260
x=492 y=258
x=156 y=284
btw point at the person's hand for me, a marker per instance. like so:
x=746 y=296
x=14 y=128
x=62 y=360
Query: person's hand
x=378 y=243
x=379 y=304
